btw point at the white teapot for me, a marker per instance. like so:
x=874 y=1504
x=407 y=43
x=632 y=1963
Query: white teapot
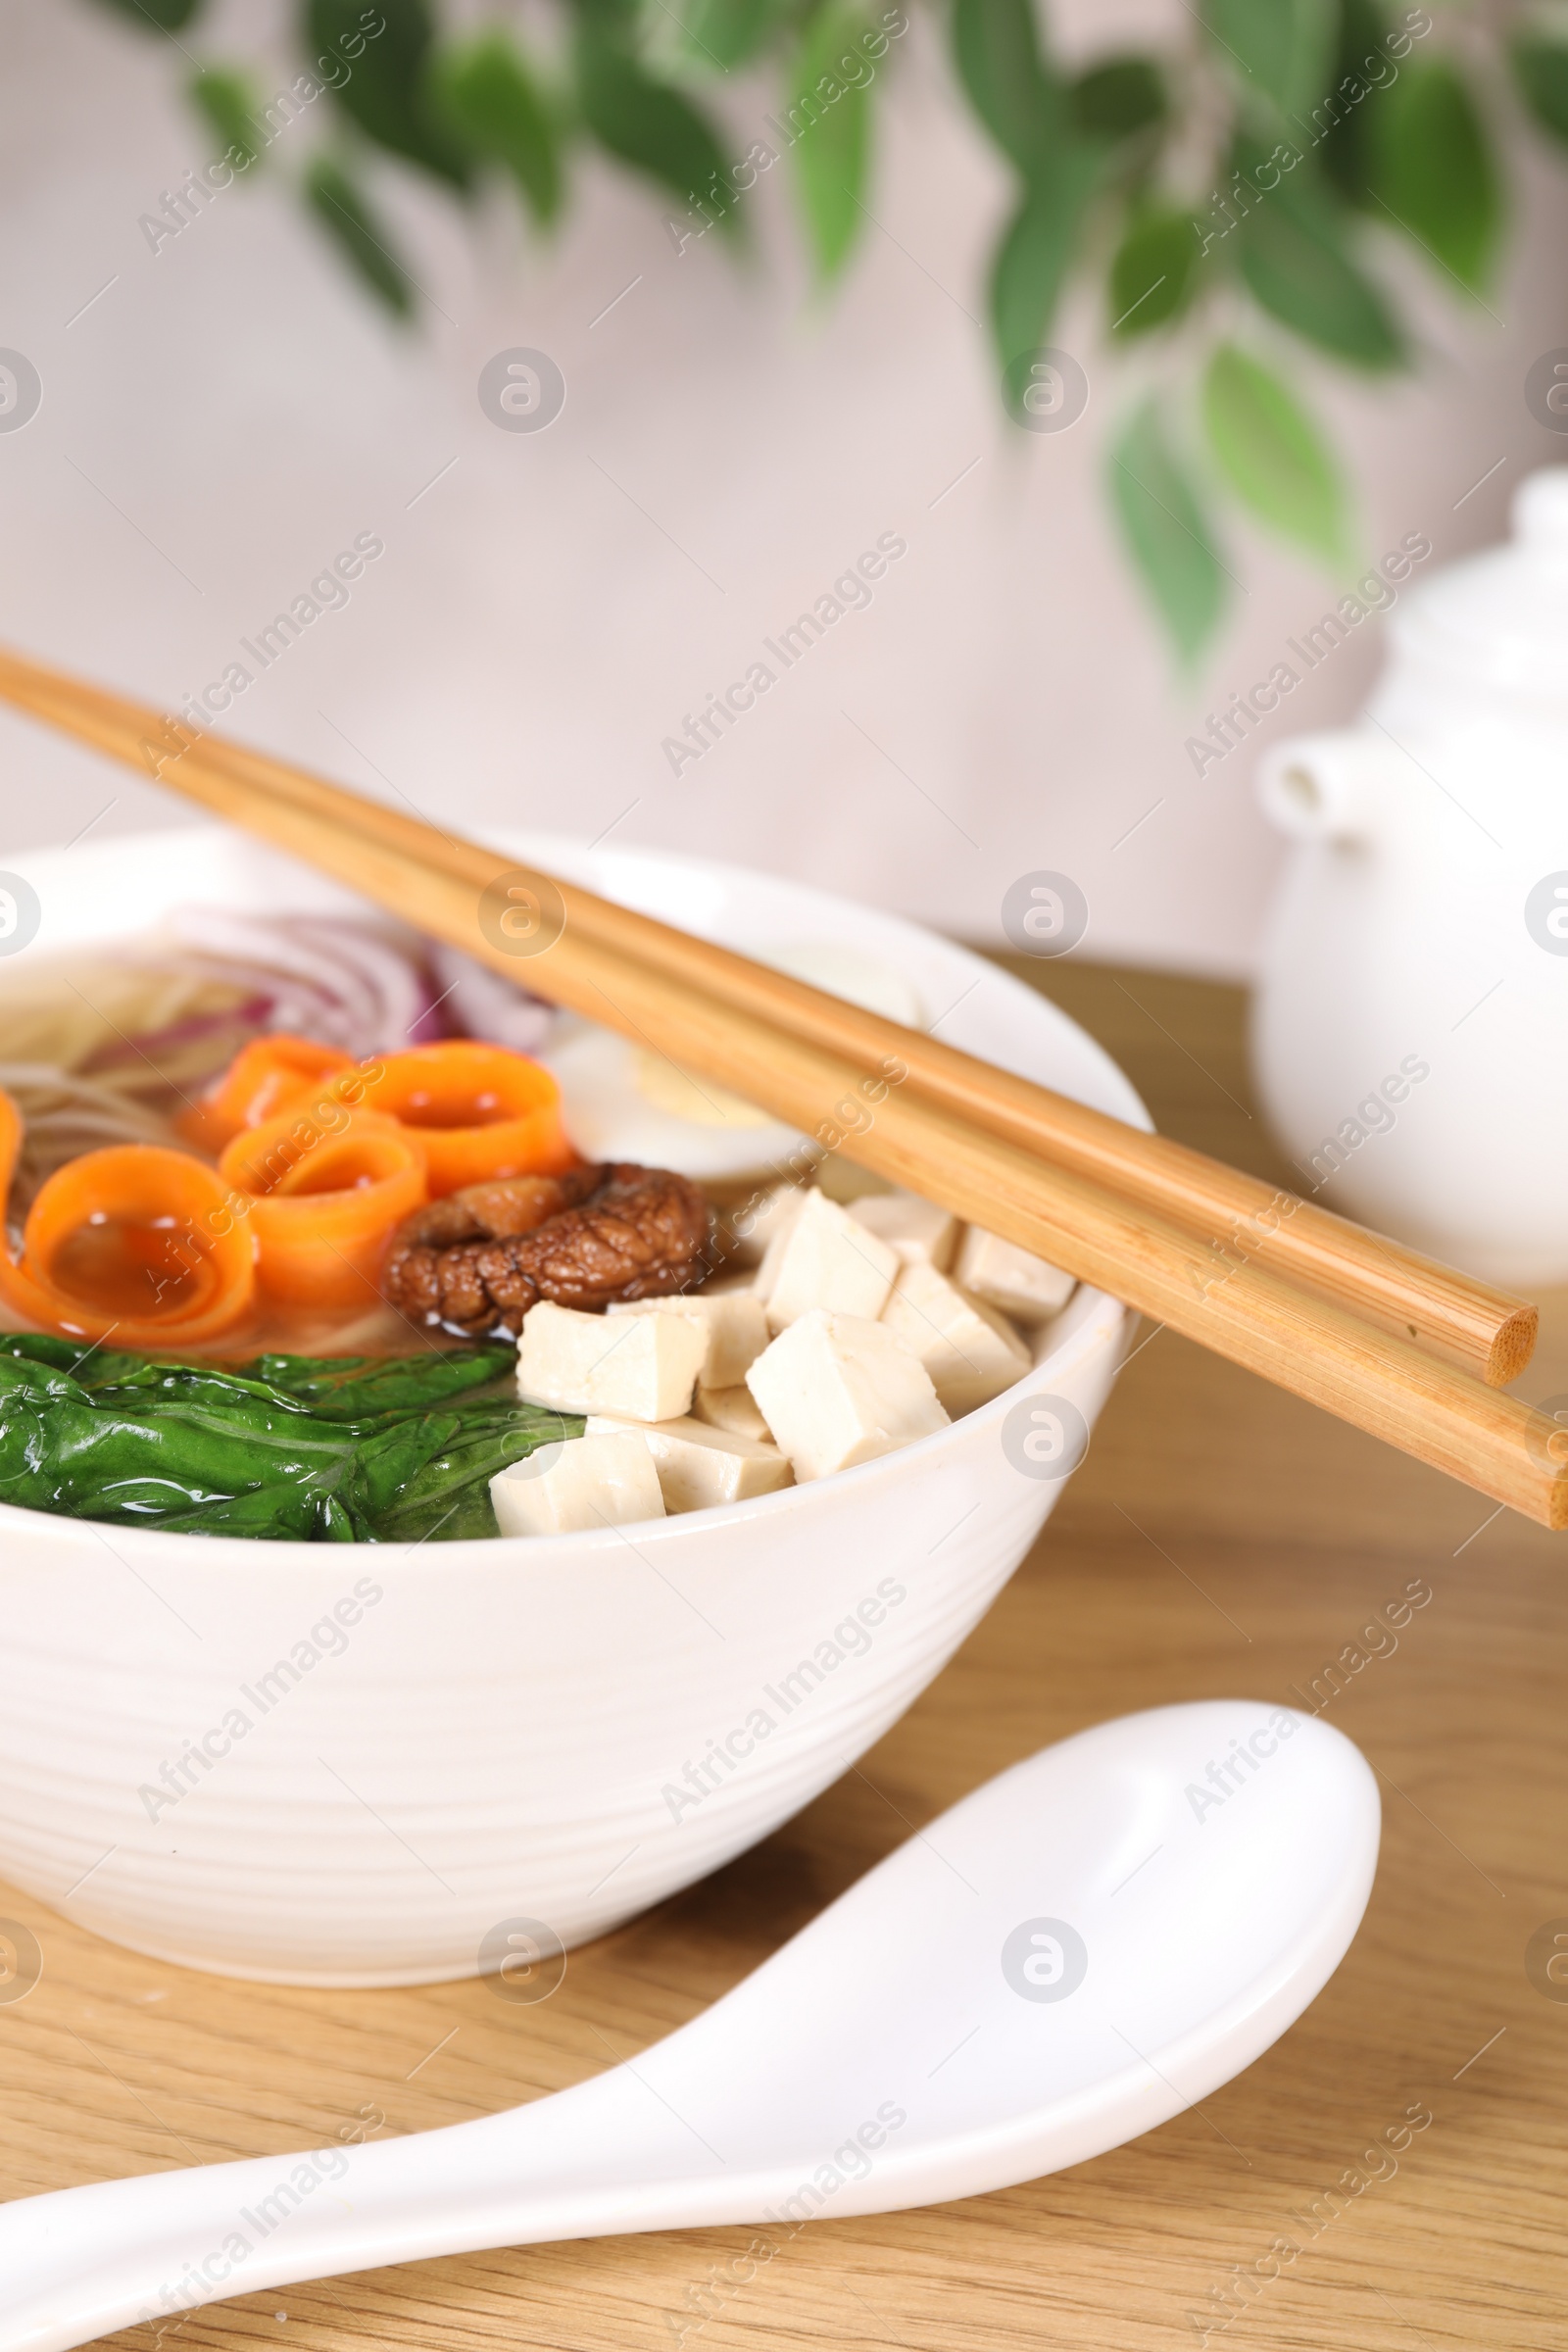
x=1410 y=1034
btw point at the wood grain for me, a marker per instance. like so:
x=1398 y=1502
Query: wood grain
x=1220 y=1538
x=1469 y=1323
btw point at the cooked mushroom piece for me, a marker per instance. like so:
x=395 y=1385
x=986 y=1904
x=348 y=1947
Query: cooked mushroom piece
x=483 y=1257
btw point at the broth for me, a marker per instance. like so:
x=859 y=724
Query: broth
x=130 y=1269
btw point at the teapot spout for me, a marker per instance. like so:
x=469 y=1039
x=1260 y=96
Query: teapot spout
x=1323 y=787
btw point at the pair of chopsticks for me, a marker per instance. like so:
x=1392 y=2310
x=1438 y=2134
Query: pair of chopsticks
x=1371 y=1330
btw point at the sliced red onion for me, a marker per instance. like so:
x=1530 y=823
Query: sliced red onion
x=150 y=1045
x=364 y=988
x=479 y=1002
x=346 y=984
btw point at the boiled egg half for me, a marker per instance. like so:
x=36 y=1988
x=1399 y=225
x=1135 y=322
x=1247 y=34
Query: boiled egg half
x=625 y=1099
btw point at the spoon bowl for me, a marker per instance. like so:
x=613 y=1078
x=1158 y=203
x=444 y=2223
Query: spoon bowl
x=1076 y=1952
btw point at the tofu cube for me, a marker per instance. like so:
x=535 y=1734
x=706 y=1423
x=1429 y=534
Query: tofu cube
x=829 y=1260
x=698 y=1465
x=771 y=1217
x=640 y=1367
x=605 y=1481
x=733 y=1324
x=1025 y=1286
x=837 y=1390
x=972 y=1352
x=784 y=1210
x=735 y=1409
x=913 y=1227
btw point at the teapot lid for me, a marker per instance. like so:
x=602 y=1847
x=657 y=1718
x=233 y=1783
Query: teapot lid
x=1500 y=618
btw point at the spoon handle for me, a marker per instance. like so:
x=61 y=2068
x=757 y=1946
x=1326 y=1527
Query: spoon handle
x=82 y=2262
x=603 y=2157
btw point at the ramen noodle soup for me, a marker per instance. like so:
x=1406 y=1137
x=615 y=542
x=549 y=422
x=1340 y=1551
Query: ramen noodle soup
x=318 y=1230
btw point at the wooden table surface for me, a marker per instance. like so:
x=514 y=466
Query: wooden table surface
x=1221 y=1539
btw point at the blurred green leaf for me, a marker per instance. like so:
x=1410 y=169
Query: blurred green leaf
x=1341 y=114
x=650 y=126
x=1153 y=272
x=1541 y=68
x=1431 y=164
x=1036 y=251
x=500 y=113
x=1166 y=531
x=360 y=237
x=1294 y=259
x=832 y=153
x=1272 y=454
x=156 y=16
x=728 y=32
x=1118 y=97
x=613 y=22
x=1278 y=51
x=996 y=48
x=388 y=90
x=226 y=101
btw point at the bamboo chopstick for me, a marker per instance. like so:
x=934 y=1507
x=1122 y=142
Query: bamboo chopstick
x=1303 y=1343
x=1467 y=1322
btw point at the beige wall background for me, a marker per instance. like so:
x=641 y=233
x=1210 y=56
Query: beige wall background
x=220 y=418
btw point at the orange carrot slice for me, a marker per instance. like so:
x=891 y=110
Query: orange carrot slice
x=326 y=1200
x=474 y=1111
x=133 y=1242
x=265 y=1077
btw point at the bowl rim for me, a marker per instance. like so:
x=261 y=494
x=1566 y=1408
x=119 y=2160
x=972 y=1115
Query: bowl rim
x=1087 y=1312
x=1098 y=1317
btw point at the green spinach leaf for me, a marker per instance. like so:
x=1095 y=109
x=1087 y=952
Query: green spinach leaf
x=301 y=1449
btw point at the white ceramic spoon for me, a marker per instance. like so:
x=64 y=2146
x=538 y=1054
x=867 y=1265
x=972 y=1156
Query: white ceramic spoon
x=1075 y=1953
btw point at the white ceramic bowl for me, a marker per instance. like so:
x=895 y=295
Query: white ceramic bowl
x=394 y=1752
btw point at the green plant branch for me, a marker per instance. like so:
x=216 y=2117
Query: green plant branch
x=1227 y=191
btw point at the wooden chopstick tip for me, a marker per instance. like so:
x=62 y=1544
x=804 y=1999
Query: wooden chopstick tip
x=1512 y=1347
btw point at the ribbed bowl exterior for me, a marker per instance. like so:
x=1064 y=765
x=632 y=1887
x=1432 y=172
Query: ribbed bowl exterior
x=350 y=1765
